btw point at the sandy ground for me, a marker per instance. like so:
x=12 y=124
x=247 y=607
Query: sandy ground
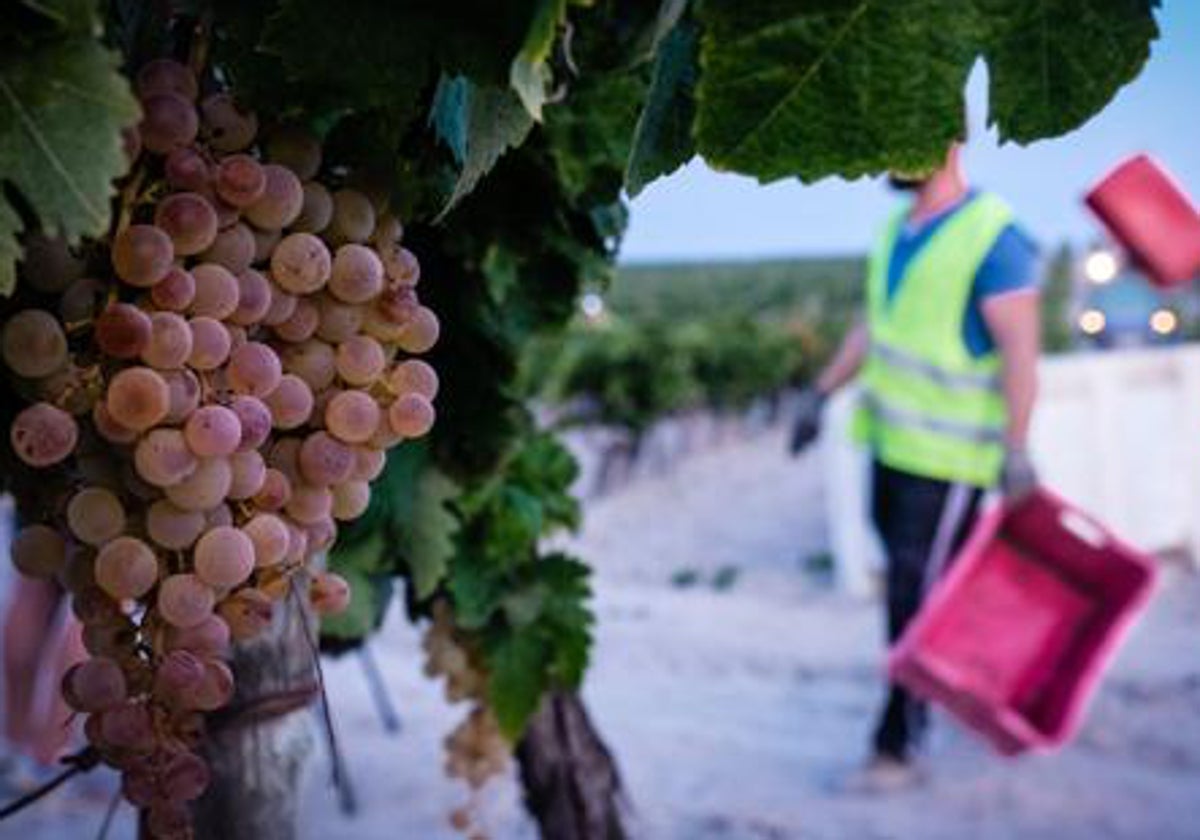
x=737 y=713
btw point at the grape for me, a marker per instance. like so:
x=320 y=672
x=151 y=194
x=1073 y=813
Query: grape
x=254 y=298
x=95 y=516
x=205 y=488
x=385 y=436
x=247 y=612
x=360 y=360
x=210 y=343
x=301 y=263
x=297 y=545
x=240 y=180
x=309 y=504
x=368 y=463
x=162 y=458
x=48 y=264
x=142 y=255
x=175 y=291
x=329 y=593
x=173 y=527
x=227 y=128
x=283 y=306
x=321 y=534
x=94 y=685
x=208 y=638
x=388 y=231
x=178 y=677
x=212 y=431
x=313 y=361
x=291 y=402
x=296 y=149
x=379 y=327
x=77 y=573
x=281 y=201
x=249 y=473
x=356 y=275
x=162 y=75
x=285 y=457
x=184 y=389
x=317 y=210
x=185 y=775
x=189 y=219
x=33 y=344
x=255 y=420
x=167 y=819
x=421 y=332
x=353 y=217
x=110 y=429
x=42 y=435
x=275 y=491
x=138 y=398
x=398 y=305
x=270 y=538
x=400 y=264
x=128 y=726
x=352 y=416
x=414 y=376
x=122 y=331
x=233 y=249
x=350 y=499
x=169 y=121
x=254 y=369
x=264 y=243
x=170 y=342
x=80 y=300
x=219 y=516
x=38 y=551
x=224 y=557
x=186 y=169
x=337 y=321
x=324 y=460
x=184 y=600
x=302 y=323
x=411 y=415
x=126 y=568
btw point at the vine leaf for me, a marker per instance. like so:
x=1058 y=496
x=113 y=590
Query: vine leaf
x=516 y=679
x=529 y=75
x=63 y=105
x=428 y=541
x=855 y=87
x=662 y=140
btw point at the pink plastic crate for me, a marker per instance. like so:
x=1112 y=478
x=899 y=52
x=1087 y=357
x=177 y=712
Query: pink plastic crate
x=1013 y=640
x=1151 y=215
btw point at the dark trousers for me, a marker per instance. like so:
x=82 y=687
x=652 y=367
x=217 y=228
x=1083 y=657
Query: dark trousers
x=919 y=520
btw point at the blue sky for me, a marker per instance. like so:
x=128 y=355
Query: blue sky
x=700 y=214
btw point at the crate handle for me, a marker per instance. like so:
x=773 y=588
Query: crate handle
x=1083 y=528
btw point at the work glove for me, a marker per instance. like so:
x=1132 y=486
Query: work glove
x=808 y=420
x=1018 y=477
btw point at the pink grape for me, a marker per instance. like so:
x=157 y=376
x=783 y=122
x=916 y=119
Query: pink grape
x=255 y=419
x=240 y=180
x=210 y=343
x=254 y=369
x=249 y=473
x=388 y=231
x=178 y=678
x=352 y=416
x=291 y=402
x=316 y=211
x=172 y=527
x=301 y=263
x=122 y=331
x=414 y=376
x=186 y=169
x=329 y=593
x=94 y=685
x=185 y=775
x=184 y=600
x=34 y=344
x=126 y=568
x=175 y=291
x=324 y=460
x=213 y=430
x=233 y=248
x=284 y=456
x=224 y=557
x=163 y=458
x=43 y=435
x=95 y=516
x=338 y=321
x=353 y=217
x=281 y=200
x=350 y=499
x=283 y=306
x=264 y=243
x=216 y=291
x=309 y=504
x=400 y=264
x=302 y=323
x=169 y=121
x=313 y=361
x=321 y=534
x=275 y=492
x=128 y=726
x=184 y=391
x=138 y=398
x=227 y=127
x=110 y=429
x=421 y=332
x=216 y=690
x=208 y=638
x=368 y=463
x=205 y=488
x=411 y=415
x=356 y=275
x=254 y=298
x=270 y=538
x=189 y=219
x=360 y=360
x=170 y=342
x=162 y=75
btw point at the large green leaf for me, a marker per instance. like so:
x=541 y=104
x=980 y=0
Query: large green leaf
x=530 y=72
x=63 y=105
x=662 y=141
x=855 y=87
x=427 y=542
x=516 y=680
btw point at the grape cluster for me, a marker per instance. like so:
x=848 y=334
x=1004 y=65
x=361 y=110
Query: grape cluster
x=476 y=750
x=219 y=390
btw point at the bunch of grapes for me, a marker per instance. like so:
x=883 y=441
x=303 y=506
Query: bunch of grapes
x=476 y=750
x=213 y=396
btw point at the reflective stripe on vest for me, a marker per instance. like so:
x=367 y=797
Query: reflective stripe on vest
x=929 y=406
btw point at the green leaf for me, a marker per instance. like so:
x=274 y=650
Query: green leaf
x=662 y=140
x=530 y=74
x=491 y=120
x=62 y=108
x=1052 y=64
x=10 y=248
x=517 y=679
x=428 y=542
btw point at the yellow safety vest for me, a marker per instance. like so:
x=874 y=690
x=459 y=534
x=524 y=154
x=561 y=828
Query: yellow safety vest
x=928 y=406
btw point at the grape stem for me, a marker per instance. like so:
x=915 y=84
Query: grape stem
x=80 y=762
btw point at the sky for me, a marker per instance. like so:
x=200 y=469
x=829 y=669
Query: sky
x=699 y=214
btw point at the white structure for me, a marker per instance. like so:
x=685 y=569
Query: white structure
x=1116 y=433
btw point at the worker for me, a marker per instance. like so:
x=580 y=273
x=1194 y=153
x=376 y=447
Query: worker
x=946 y=357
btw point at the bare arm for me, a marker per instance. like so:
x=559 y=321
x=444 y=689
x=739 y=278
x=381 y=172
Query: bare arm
x=846 y=362
x=1015 y=324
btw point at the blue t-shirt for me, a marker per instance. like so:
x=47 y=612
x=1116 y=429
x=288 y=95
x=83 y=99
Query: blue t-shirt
x=1012 y=265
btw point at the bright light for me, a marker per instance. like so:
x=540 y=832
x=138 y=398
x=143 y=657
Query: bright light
x=1100 y=266
x=1164 y=322
x=1092 y=321
x=592 y=305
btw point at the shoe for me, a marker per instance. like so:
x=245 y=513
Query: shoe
x=884 y=774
